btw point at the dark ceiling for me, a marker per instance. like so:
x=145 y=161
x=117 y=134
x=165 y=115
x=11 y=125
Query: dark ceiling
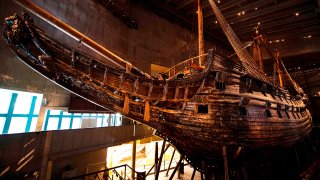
x=280 y=20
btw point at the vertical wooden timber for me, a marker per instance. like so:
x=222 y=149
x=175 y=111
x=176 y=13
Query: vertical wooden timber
x=126 y=104
x=256 y=52
x=105 y=75
x=146 y=115
x=165 y=91
x=277 y=56
x=135 y=86
x=176 y=93
x=225 y=162
x=200 y=33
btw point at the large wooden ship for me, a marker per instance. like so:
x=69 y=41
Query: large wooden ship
x=221 y=105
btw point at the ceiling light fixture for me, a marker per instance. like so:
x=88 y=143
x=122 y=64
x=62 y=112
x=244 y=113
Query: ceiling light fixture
x=297 y=14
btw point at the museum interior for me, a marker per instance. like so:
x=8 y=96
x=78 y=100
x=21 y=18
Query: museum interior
x=160 y=89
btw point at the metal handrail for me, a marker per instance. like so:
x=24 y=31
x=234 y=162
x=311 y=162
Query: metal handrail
x=105 y=170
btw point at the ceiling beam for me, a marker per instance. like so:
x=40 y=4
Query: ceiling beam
x=225 y=4
x=297 y=26
x=311 y=17
x=283 y=34
x=269 y=10
x=243 y=8
x=278 y=22
x=271 y=17
x=183 y=4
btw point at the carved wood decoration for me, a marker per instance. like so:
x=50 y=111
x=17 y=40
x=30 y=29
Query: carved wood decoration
x=198 y=114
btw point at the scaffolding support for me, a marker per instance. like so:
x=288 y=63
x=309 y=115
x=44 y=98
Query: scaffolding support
x=158 y=165
x=170 y=162
x=225 y=162
x=176 y=168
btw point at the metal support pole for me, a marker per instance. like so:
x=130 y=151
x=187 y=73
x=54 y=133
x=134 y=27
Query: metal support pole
x=160 y=159
x=193 y=173
x=156 y=162
x=225 y=160
x=134 y=148
x=202 y=178
x=176 y=168
x=170 y=162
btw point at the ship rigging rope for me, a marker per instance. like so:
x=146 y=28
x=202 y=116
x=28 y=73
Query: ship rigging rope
x=286 y=73
x=249 y=44
x=248 y=62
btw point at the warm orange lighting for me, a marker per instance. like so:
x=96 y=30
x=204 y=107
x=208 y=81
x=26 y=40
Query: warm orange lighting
x=297 y=14
x=216 y=22
x=243 y=12
x=256 y=8
x=219 y=1
x=239 y=14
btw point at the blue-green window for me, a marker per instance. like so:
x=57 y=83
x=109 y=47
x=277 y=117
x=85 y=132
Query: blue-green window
x=18 y=111
x=58 y=119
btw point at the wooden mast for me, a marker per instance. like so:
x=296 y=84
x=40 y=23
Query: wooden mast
x=277 y=58
x=200 y=33
x=256 y=48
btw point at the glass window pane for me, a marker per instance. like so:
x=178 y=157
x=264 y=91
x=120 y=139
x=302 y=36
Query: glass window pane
x=55 y=112
x=18 y=125
x=53 y=123
x=2 y=121
x=33 y=124
x=5 y=101
x=65 y=123
x=76 y=123
x=23 y=104
x=105 y=120
x=66 y=114
x=99 y=121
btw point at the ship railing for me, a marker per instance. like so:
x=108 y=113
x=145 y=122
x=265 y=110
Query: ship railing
x=198 y=62
x=187 y=66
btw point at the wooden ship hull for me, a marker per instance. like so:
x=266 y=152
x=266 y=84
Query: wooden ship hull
x=222 y=106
